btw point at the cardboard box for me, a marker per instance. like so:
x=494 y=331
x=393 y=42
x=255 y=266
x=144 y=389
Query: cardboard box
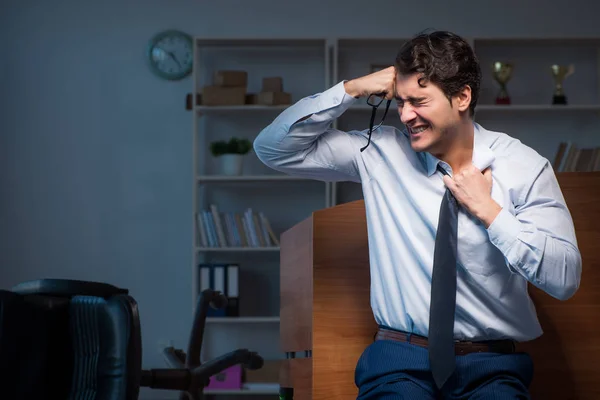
x=252 y=98
x=230 y=78
x=213 y=95
x=274 y=98
x=272 y=84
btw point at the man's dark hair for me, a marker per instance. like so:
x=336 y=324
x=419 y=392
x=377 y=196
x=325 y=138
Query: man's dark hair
x=444 y=59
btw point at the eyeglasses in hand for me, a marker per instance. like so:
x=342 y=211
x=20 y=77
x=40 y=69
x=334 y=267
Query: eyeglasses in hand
x=375 y=101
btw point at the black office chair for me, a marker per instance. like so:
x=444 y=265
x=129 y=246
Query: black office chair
x=69 y=339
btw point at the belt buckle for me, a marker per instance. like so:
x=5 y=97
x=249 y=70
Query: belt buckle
x=460 y=351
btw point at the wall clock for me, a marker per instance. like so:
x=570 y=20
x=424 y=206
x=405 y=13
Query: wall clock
x=170 y=54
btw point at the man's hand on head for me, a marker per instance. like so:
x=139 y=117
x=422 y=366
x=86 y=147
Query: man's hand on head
x=382 y=81
x=472 y=188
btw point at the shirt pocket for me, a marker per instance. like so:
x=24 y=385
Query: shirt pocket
x=476 y=252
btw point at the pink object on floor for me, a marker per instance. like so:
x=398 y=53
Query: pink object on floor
x=230 y=378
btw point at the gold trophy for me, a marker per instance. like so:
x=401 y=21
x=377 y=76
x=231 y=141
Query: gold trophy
x=560 y=72
x=502 y=74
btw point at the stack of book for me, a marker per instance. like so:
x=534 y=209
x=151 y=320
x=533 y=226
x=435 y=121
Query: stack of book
x=572 y=158
x=231 y=229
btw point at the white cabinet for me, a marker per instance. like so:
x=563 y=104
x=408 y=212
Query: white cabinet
x=283 y=200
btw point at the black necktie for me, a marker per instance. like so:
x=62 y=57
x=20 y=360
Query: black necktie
x=443 y=291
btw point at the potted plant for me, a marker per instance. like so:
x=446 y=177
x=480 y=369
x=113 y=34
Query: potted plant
x=230 y=154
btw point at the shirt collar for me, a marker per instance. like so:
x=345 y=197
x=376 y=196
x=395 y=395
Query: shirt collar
x=483 y=155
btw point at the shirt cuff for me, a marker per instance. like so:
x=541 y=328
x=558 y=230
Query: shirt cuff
x=336 y=96
x=504 y=230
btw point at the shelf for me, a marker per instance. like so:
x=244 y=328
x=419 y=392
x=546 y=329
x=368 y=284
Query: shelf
x=241 y=320
x=538 y=107
x=249 y=178
x=370 y=42
x=235 y=249
x=240 y=108
x=513 y=107
x=248 y=389
x=260 y=42
x=528 y=41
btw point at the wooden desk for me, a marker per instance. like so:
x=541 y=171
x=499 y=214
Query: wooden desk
x=325 y=304
x=566 y=355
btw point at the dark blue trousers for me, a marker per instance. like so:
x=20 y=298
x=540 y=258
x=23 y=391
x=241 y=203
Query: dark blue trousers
x=395 y=370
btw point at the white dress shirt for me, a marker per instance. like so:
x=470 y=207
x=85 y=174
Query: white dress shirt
x=532 y=239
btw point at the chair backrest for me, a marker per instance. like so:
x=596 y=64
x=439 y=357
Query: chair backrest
x=35 y=353
x=68 y=339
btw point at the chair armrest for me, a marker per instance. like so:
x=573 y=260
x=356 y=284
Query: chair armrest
x=189 y=381
x=67 y=288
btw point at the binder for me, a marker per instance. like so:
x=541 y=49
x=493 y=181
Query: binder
x=233 y=290
x=218 y=284
x=225 y=279
x=212 y=276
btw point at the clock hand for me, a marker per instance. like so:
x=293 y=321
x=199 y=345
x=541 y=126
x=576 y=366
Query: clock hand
x=174 y=58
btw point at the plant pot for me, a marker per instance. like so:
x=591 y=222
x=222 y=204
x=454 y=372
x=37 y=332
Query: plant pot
x=230 y=164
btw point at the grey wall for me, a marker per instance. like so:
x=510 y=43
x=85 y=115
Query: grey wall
x=95 y=157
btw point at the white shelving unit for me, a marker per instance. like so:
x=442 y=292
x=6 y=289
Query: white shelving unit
x=250 y=108
x=249 y=178
x=304 y=66
x=531 y=117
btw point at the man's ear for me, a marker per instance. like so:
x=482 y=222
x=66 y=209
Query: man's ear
x=463 y=98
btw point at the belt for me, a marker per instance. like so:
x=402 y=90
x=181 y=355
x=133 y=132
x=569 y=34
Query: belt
x=504 y=346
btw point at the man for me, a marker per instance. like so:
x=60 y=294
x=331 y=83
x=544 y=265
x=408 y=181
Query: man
x=449 y=307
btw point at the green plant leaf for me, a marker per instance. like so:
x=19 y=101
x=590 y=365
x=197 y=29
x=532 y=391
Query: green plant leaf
x=233 y=146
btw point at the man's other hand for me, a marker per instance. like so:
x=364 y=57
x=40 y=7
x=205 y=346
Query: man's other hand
x=472 y=188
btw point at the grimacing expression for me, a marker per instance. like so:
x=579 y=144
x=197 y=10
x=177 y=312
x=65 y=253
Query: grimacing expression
x=427 y=113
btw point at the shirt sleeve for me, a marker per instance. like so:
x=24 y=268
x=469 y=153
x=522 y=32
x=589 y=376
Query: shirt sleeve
x=539 y=241
x=301 y=142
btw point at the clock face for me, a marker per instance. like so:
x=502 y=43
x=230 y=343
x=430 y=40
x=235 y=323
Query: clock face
x=170 y=54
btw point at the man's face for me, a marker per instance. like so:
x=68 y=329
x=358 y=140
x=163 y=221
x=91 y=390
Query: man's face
x=428 y=115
